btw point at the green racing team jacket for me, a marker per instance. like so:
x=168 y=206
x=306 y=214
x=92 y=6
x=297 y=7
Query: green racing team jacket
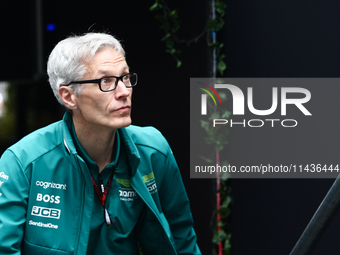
x=47 y=196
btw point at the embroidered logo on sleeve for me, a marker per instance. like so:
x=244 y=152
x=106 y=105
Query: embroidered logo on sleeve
x=4 y=176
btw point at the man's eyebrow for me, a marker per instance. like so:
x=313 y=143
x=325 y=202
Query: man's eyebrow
x=109 y=72
x=104 y=72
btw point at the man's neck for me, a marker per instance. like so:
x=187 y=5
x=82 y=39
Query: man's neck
x=97 y=143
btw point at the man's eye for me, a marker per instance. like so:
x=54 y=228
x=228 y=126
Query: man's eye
x=107 y=80
x=126 y=77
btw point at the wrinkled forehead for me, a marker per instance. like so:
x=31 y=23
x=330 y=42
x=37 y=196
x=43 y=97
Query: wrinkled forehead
x=106 y=62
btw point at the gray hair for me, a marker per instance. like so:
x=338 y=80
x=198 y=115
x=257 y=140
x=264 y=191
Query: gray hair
x=66 y=61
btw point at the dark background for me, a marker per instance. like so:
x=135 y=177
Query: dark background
x=262 y=38
x=281 y=39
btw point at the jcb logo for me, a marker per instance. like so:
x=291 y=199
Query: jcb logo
x=46 y=212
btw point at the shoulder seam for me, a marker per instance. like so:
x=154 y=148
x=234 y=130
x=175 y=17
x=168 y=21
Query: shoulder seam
x=35 y=157
x=21 y=167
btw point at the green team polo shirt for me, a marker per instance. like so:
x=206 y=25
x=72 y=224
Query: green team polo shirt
x=123 y=204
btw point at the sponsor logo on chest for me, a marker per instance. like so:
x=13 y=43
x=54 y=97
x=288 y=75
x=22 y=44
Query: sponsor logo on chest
x=48 y=198
x=43 y=225
x=127 y=193
x=51 y=185
x=45 y=212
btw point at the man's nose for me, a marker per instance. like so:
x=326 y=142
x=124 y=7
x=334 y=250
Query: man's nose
x=121 y=90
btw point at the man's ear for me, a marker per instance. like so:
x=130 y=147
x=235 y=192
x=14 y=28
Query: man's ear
x=68 y=97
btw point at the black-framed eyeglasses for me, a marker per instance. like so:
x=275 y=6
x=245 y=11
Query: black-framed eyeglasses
x=110 y=83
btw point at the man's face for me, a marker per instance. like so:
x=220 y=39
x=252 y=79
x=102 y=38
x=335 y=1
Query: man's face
x=104 y=110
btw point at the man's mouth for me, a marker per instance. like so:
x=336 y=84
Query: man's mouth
x=123 y=108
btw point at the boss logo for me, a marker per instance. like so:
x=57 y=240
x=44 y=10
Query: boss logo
x=46 y=212
x=47 y=198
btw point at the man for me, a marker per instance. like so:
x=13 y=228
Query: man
x=91 y=183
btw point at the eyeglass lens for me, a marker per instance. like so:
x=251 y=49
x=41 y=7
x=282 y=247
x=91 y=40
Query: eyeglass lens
x=109 y=83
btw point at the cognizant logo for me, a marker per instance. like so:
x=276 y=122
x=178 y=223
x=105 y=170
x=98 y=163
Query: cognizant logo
x=51 y=185
x=239 y=105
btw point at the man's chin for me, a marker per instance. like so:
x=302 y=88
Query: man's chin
x=124 y=123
